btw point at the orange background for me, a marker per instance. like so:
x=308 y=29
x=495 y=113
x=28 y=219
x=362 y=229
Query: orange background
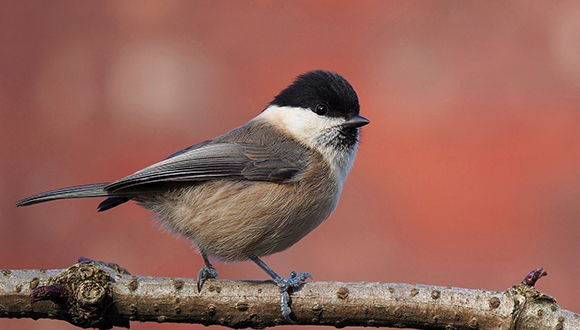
x=469 y=173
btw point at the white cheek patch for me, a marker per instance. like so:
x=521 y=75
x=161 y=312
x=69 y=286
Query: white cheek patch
x=303 y=124
x=310 y=129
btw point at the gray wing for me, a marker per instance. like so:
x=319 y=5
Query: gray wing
x=226 y=160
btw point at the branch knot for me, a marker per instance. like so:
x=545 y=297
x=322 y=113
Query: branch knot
x=84 y=293
x=89 y=294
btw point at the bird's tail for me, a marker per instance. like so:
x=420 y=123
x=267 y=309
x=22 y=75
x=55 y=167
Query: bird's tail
x=89 y=190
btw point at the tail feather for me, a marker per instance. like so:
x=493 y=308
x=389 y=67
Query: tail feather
x=89 y=190
x=111 y=202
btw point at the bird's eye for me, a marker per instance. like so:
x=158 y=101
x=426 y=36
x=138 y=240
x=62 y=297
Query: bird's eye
x=321 y=109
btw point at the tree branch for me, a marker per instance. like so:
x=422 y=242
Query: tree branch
x=95 y=294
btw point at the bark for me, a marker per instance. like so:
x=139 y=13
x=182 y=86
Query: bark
x=99 y=295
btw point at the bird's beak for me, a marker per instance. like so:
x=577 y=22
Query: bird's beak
x=356 y=121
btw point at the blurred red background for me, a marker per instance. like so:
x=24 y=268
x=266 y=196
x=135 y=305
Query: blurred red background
x=469 y=173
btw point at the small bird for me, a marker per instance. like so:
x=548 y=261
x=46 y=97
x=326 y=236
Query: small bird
x=257 y=189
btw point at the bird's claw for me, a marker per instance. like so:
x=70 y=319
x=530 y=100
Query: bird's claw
x=284 y=284
x=204 y=274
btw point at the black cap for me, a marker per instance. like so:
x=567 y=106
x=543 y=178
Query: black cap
x=326 y=93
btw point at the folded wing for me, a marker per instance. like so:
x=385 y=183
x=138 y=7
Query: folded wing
x=210 y=161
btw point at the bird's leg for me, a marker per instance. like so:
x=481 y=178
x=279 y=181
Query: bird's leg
x=205 y=272
x=293 y=281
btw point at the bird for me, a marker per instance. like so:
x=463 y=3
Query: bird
x=255 y=190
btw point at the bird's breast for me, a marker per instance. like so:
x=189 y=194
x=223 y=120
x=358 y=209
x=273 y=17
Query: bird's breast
x=234 y=219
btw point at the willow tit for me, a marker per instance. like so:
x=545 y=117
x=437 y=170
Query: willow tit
x=257 y=189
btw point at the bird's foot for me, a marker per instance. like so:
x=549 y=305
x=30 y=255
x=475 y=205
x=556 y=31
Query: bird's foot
x=204 y=274
x=284 y=284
